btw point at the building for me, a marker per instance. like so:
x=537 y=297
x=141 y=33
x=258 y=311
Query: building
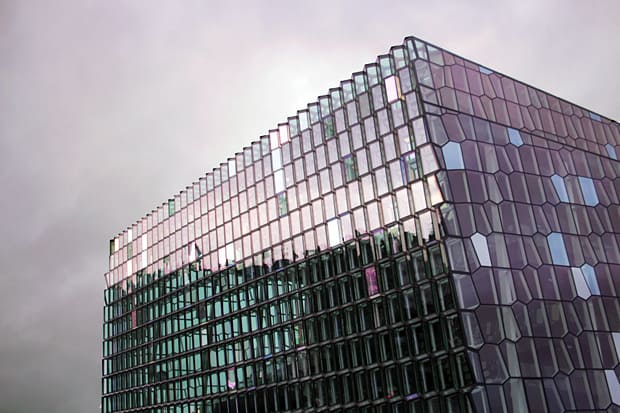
x=429 y=236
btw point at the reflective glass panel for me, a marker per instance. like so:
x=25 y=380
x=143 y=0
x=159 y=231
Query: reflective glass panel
x=515 y=137
x=557 y=248
x=482 y=249
x=560 y=187
x=589 y=192
x=453 y=156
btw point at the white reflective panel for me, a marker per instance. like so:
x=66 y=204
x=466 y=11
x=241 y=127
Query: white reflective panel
x=453 y=156
x=580 y=284
x=419 y=198
x=594 y=116
x=560 y=187
x=232 y=167
x=482 y=249
x=616 y=337
x=192 y=252
x=347 y=227
x=143 y=262
x=429 y=162
x=515 y=137
x=392 y=88
x=557 y=248
x=590 y=277
x=221 y=256
x=129 y=235
x=274 y=140
x=334 y=233
x=426 y=225
x=589 y=192
x=230 y=253
x=419 y=132
x=278 y=176
x=276 y=159
x=117 y=244
x=303 y=120
x=433 y=189
x=613 y=385
x=284 y=133
x=143 y=242
x=129 y=268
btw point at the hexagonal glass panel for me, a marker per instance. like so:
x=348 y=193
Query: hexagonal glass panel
x=515 y=137
x=482 y=249
x=557 y=248
x=392 y=88
x=614 y=386
x=590 y=278
x=589 y=192
x=560 y=187
x=580 y=284
x=453 y=156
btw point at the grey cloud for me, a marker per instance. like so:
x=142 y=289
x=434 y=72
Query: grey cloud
x=108 y=108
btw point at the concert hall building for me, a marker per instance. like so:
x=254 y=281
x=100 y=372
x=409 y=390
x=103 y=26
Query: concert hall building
x=429 y=236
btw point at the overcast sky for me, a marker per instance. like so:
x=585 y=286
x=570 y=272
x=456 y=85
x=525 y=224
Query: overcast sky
x=107 y=108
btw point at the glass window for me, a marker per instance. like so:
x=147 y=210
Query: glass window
x=392 y=88
x=435 y=192
x=515 y=137
x=410 y=167
x=611 y=151
x=371 y=281
x=560 y=187
x=557 y=248
x=589 y=192
x=418 y=196
x=590 y=278
x=614 y=386
x=330 y=127
x=580 y=283
x=279 y=180
x=350 y=168
x=334 y=232
x=453 y=156
x=482 y=249
x=282 y=204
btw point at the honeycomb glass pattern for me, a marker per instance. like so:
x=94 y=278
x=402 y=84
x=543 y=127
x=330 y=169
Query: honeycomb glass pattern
x=428 y=236
x=531 y=218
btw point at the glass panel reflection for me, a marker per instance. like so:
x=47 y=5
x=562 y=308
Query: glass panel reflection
x=453 y=156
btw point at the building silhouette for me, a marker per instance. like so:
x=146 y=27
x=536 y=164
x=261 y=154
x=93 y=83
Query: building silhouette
x=429 y=236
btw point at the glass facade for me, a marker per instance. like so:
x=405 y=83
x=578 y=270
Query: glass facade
x=428 y=236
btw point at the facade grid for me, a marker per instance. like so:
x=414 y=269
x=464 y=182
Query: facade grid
x=431 y=235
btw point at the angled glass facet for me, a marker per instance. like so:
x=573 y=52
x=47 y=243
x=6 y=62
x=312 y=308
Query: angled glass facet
x=614 y=386
x=560 y=187
x=590 y=278
x=334 y=232
x=392 y=88
x=611 y=151
x=557 y=248
x=588 y=191
x=453 y=156
x=482 y=249
x=580 y=283
x=515 y=137
x=616 y=337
